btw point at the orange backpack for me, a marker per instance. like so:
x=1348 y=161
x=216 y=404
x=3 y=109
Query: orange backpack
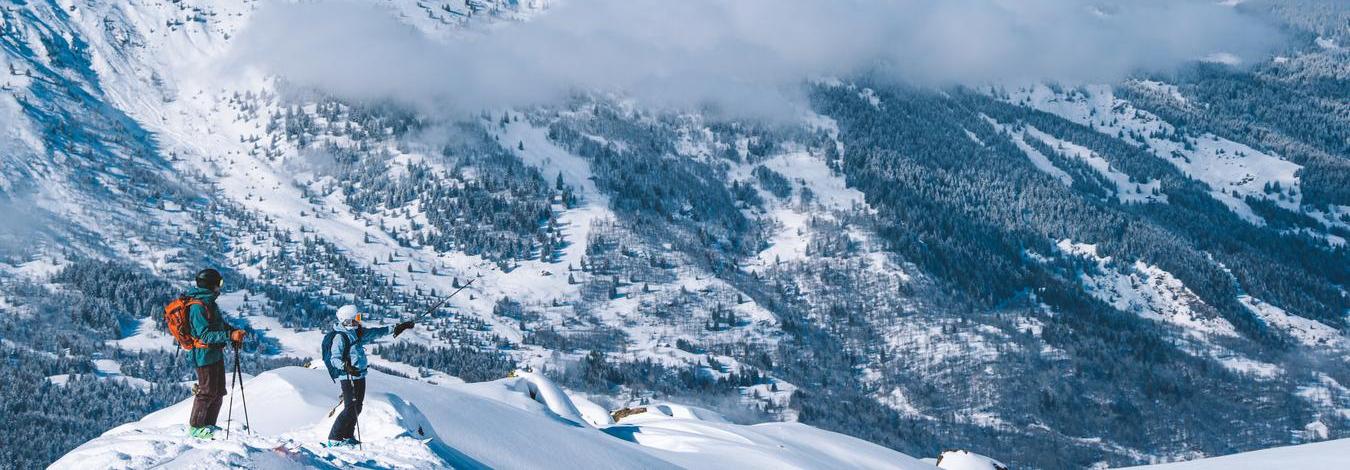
x=179 y=321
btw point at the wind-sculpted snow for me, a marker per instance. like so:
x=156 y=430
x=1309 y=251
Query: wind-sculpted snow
x=519 y=422
x=697 y=438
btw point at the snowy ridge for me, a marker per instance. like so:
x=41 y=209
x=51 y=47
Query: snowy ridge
x=808 y=172
x=1307 y=331
x=1038 y=159
x=520 y=422
x=1227 y=167
x=1320 y=455
x=1126 y=190
x=1153 y=293
x=1148 y=291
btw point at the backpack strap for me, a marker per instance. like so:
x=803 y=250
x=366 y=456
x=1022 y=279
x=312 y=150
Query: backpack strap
x=346 y=350
x=197 y=343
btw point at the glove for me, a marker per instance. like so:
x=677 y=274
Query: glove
x=238 y=336
x=351 y=370
x=401 y=327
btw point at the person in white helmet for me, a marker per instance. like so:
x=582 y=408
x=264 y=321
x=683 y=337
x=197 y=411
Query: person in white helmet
x=345 y=355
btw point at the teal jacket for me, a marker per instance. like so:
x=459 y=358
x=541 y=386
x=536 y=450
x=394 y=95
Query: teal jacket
x=211 y=329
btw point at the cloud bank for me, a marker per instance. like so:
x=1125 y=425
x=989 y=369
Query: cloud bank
x=743 y=56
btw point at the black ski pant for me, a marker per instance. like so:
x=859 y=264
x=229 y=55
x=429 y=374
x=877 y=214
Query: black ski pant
x=210 y=394
x=353 y=395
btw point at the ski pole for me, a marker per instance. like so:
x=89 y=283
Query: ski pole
x=442 y=302
x=243 y=397
x=229 y=418
x=356 y=418
x=360 y=445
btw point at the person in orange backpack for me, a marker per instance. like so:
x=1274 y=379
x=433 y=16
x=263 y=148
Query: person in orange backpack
x=210 y=334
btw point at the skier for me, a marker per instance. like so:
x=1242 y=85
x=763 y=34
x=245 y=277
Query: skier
x=346 y=361
x=211 y=334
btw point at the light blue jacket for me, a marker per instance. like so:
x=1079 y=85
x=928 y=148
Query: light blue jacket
x=359 y=338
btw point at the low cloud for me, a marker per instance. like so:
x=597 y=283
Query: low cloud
x=742 y=56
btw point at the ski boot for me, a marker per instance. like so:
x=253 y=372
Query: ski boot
x=204 y=433
x=348 y=442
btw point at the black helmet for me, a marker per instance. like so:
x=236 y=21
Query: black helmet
x=208 y=279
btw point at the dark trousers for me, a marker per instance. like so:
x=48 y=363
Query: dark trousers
x=353 y=394
x=210 y=390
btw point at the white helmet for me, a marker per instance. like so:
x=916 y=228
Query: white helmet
x=347 y=313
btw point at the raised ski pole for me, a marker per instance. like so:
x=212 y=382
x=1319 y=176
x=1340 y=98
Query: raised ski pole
x=443 y=301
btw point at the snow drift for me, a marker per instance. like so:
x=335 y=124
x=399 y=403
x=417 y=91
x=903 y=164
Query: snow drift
x=519 y=422
x=1319 y=455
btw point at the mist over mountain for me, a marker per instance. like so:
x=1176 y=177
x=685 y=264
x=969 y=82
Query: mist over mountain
x=748 y=57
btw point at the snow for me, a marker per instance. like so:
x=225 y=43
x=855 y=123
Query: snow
x=811 y=171
x=1320 y=455
x=104 y=369
x=870 y=96
x=485 y=425
x=294 y=343
x=1328 y=396
x=804 y=170
x=790 y=241
x=551 y=160
x=1310 y=332
x=1167 y=88
x=1226 y=166
x=697 y=438
x=1250 y=367
x=41 y=268
x=898 y=401
x=1225 y=58
x=967 y=460
x=1126 y=190
x=542 y=153
x=592 y=412
x=1039 y=160
x=1149 y=292
x=147 y=336
x=671 y=410
x=544 y=391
